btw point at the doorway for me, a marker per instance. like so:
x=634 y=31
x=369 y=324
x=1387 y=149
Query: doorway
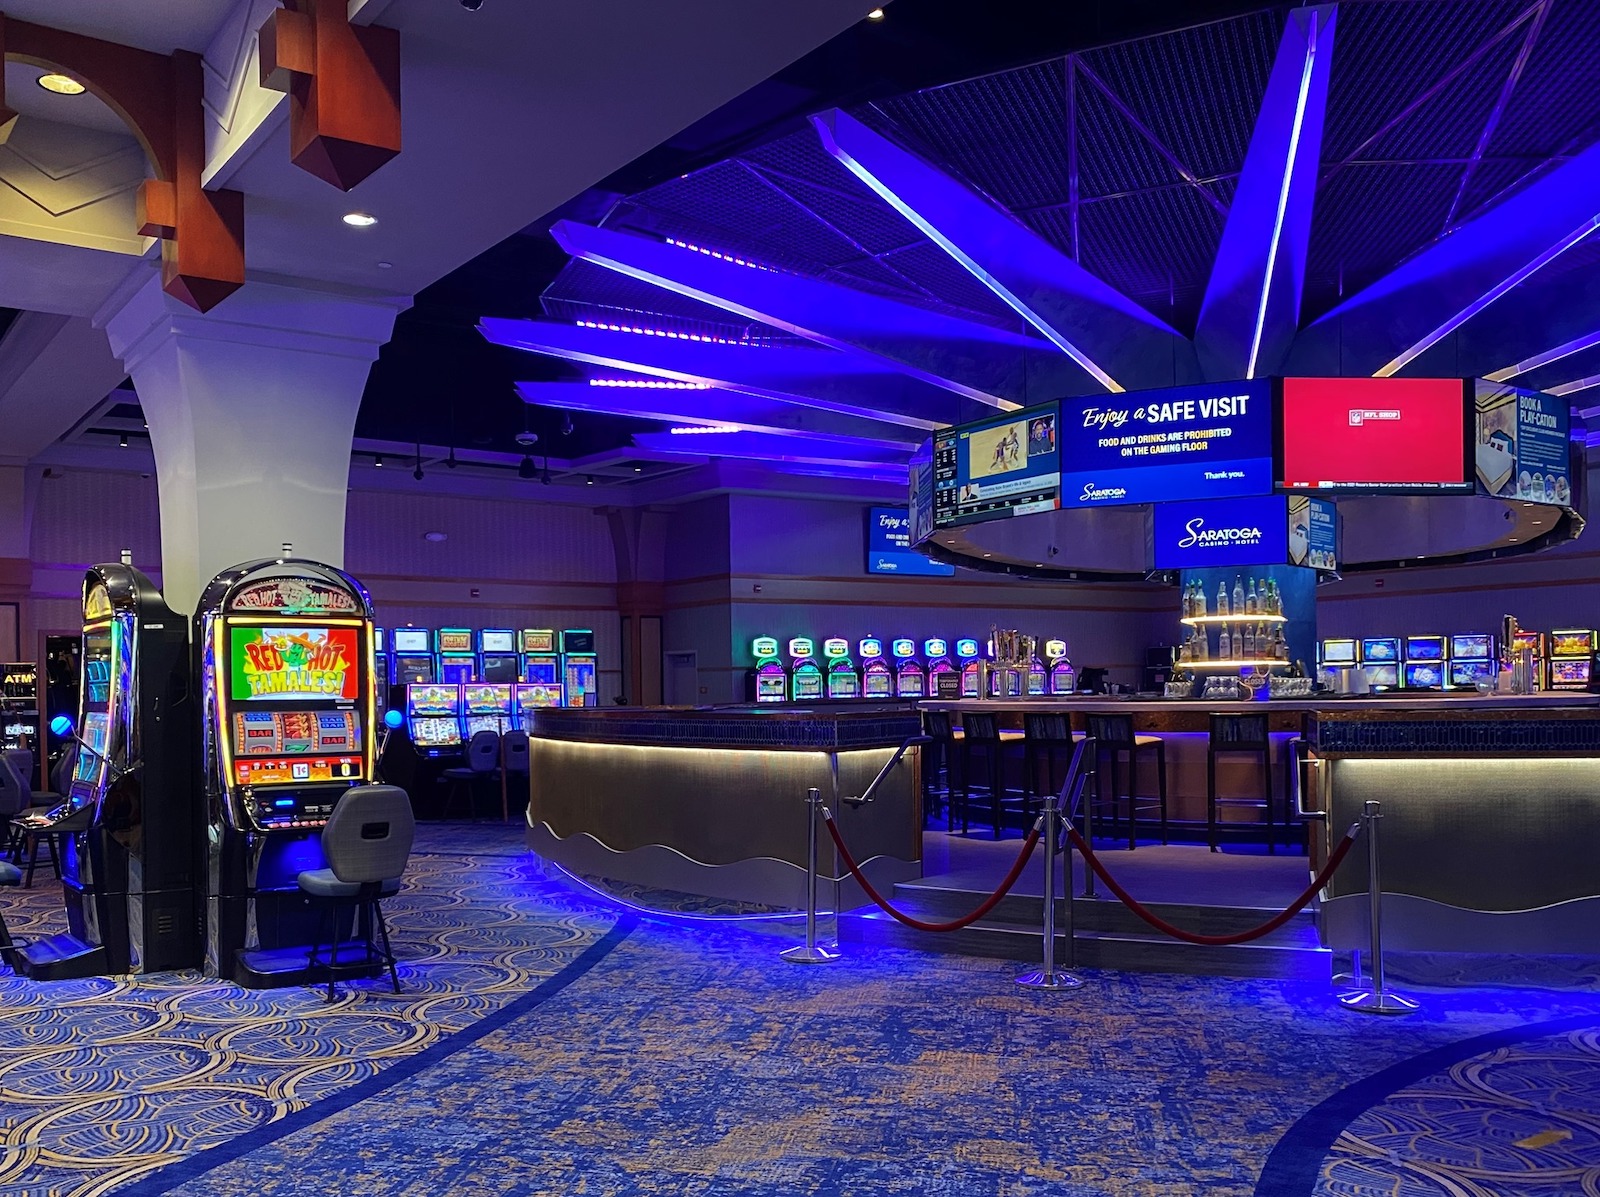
x=681 y=681
x=63 y=676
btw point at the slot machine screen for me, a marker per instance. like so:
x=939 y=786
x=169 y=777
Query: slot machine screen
x=1473 y=645
x=409 y=640
x=435 y=732
x=1424 y=648
x=499 y=642
x=1380 y=651
x=1571 y=644
x=1338 y=652
x=500 y=669
x=1383 y=677
x=1470 y=673
x=1570 y=671
x=293 y=663
x=1426 y=676
x=96 y=733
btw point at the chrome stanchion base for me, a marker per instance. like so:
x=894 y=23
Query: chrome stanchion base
x=819 y=954
x=1370 y=1001
x=1039 y=979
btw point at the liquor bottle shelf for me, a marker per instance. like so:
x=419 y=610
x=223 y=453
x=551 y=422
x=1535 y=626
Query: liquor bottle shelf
x=1204 y=620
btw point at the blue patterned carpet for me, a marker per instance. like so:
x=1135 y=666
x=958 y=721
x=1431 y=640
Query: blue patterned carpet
x=549 y=1043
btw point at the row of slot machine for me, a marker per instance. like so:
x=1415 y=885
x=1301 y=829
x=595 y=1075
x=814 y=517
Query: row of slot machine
x=1563 y=659
x=563 y=665
x=210 y=753
x=902 y=672
x=440 y=718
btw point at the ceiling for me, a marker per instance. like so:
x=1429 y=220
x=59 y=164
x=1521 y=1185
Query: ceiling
x=1122 y=151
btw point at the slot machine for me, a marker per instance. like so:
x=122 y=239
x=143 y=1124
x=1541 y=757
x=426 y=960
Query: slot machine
x=498 y=659
x=1380 y=657
x=1063 y=680
x=843 y=680
x=528 y=697
x=805 y=675
x=1337 y=654
x=910 y=679
x=131 y=827
x=937 y=654
x=541 y=666
x=382 y=665
x=1572 y=653
x=580 y=667
x=485 y=706
x=433 y=719
x=284 y=653
x=1536 y=642
x=1473 y=659
x=458 y=663
x=971 y=668
x=877 y=676
x=770 y=681
x=411 y=654
x=1426 y=663
x=1038 y=677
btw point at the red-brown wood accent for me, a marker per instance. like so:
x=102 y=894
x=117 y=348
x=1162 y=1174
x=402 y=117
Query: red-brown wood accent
x=344 y=111
x=159 y=98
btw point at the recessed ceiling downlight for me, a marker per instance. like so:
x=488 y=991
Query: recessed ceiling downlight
x=359 y=220
x=62 y=85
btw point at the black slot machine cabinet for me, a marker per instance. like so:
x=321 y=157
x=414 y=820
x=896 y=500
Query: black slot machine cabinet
x=283 y=650
x=131 y=850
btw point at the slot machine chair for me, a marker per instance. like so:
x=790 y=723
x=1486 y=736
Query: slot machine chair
x=483 y=764
x=367 y=844
x=515 y=746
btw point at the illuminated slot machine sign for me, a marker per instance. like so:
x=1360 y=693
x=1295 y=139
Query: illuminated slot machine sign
x=433 y=718
x=910 y=679
x=486 y=707
x=843 y=680
x=772 y=680
x=291 y=701
x=971 y=667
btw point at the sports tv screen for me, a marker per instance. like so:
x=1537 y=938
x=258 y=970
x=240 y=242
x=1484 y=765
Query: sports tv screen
x=1405 y=435
x=1008 y=465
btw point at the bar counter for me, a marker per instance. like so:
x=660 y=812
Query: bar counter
x=712 y=801
x=1490 y=804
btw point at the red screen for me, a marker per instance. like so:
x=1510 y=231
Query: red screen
x=1374 y=433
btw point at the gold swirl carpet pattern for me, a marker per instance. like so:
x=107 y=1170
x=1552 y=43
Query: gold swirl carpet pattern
x=106 y=1080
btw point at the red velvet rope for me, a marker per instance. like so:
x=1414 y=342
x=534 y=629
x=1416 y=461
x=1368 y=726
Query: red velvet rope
x=1266 y=928
x=989 y=903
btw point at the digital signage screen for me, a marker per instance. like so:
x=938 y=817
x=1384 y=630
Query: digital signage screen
x=1313 y=533
x=1222 y=532
x=889 y=548
x=1004 y=466
x=1521 y=446
x=1405 y=435
x=1210 y=441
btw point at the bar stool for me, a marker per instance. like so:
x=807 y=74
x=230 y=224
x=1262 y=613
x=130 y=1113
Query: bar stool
x=981 y=735
x=938 y=779
x=1114 y=738
x=1044 y=738
x=1239 y=734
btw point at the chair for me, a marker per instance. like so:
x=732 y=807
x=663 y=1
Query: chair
x=483 y=763
x=981 y=736
x=516 y=761
x=367 y=843
x=1239 y=734
x=1044 y=738
x=1115 y=739
x=938 y=778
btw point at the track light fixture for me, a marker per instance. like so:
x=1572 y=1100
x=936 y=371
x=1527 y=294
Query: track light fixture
x=377 y=461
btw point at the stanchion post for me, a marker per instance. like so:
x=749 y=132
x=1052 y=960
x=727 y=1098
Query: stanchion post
x=1049 y=977
x=1378 y=999
x=811 y=952
x=1091 y=766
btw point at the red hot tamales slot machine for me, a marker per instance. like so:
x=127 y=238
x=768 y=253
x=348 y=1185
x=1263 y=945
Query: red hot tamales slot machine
x=286 y=665
x=129 y=825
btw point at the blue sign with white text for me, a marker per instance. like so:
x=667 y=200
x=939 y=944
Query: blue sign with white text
x=1221 y=532
x=1313 y=533
x=889 y=548
x=1212 y=440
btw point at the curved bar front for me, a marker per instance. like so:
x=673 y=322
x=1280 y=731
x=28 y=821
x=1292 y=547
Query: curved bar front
x=713 y=801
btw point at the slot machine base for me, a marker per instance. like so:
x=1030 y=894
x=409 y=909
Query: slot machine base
x=287 y=926
x=56 y=958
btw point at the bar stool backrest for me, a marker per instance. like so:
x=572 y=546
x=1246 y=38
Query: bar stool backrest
x=1112 y=731
x=1047 y=729
x=936 y=725
x=1243 y=732
x=15 y=795
x=980 y=728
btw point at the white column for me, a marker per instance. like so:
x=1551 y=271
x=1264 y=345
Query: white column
x=252 y=410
